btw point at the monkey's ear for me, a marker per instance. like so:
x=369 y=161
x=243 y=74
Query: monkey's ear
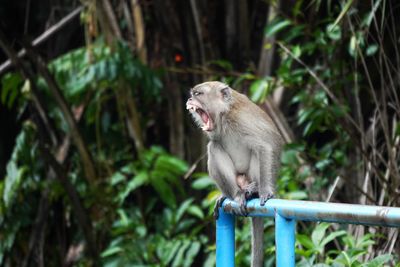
x=226 y=93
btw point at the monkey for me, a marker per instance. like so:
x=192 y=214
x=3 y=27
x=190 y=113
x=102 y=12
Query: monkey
x=243 y=150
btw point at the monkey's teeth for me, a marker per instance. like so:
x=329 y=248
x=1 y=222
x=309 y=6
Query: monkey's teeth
x=191 y=107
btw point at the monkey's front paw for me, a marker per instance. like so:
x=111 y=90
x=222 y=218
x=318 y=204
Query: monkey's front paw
x=250 y=194
x=265 y=198
x=218 y=204
x=251 y=191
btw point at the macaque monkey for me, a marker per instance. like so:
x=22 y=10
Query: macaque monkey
x=243 y=151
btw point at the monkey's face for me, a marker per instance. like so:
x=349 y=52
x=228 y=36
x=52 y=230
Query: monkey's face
x=207 y=103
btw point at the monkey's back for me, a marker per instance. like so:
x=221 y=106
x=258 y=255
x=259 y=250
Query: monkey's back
x=250 y=121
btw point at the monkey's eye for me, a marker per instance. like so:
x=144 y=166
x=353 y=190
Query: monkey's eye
x=197 y=93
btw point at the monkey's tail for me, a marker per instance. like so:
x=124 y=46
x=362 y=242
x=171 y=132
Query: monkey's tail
x=257 y=242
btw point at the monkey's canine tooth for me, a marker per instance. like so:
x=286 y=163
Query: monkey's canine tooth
x=189 y=107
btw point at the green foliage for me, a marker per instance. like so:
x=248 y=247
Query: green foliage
x=276 y=25
x=329 y=48
x=156 y=168
x=259 y=89
x=292 y=174
x=151 y=235
x=99 y=68
x=16 y=188
x=313 y=250
x=153 y=173
x=10 y=86
x=175 y=242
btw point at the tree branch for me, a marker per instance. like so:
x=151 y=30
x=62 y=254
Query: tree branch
x=37 y=99
x=76 y=203
x=139 y=31
x=44 y=36
x=76 y=135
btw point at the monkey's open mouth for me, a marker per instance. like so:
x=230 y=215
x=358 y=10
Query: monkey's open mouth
x=205 y=117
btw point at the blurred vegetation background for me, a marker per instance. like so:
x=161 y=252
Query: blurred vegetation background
x=100 y=165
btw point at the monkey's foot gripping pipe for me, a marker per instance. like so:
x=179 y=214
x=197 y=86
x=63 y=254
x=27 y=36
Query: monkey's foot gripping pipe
x=265 y=198
x=218 y=204
x=243 y=205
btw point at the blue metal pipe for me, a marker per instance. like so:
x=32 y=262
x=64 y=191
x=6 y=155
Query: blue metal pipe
x=285 y=241
x=286 y=212
x=320 y=211
x=225 y=239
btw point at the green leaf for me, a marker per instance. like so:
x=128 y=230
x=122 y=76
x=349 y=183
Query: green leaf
x=172 y=252
x=203 y=182
x=347 y=259
x=294 y=32
x=259 y=90
x=111 y=251
x=15 y=170
x=357 y=41
x=378 y=261
x=310 y=127
x=213 y=195
x=178 y=261
x=319 y=233
x=191 y=253
x=276 y=26
x=210 y=261
x=10 y=85
x=164 y=190
x=322 y=164
x=304 y=115
x=305 y=241
x=332 y=236
x=171 y=164
x=296 y=51
x=182 y=208
x=139 y=180
x=225 y=64
x=196 y=211
x=334 y=32
x=372 y=49
x=123 y=217
x=117 y=177
x=353 y=46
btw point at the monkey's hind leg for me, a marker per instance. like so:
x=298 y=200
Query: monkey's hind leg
x=241 y=199
x=265 y=198
x=218 y=204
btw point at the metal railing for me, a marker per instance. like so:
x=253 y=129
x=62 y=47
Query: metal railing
x=286 y=213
